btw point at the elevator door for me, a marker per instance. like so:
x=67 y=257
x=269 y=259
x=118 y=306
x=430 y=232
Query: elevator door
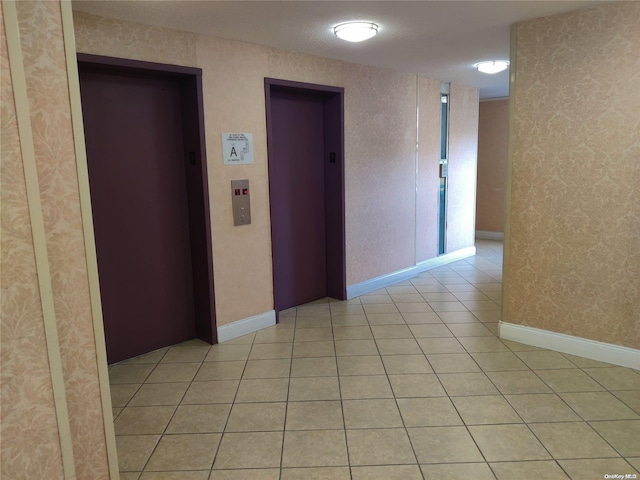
x=133 y=129
x=297 y=195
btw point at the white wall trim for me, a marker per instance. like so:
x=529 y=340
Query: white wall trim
x=489 y=235
x=600 y=351
x=246 y=325
x=377 y=283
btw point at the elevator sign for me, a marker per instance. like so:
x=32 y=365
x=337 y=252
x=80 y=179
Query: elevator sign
x=237 y=148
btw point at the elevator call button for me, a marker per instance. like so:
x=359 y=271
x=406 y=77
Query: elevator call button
x=240 y=202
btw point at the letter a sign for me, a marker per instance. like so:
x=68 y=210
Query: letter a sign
x=237 y=148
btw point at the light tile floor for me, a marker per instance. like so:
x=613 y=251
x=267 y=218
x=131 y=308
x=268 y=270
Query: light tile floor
x=409 y=382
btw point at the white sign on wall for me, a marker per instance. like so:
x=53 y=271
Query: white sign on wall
x=237 y=148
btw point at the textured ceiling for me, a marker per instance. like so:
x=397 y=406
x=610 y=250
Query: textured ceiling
x=439 y=39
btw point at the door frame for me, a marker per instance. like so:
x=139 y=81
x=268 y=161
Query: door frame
x=333 y=102
x=190 y=80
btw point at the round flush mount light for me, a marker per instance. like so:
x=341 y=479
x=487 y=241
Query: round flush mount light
x=355 y=31
x=493 y=66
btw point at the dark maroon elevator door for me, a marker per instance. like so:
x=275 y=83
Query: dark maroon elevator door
x=297 y=195
x=133 y=131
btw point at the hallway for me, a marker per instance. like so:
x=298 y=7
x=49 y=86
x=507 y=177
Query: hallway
x=408 y=382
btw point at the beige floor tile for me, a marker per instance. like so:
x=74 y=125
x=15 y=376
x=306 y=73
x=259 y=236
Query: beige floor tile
x=389 y=446
x=635 y=462
x=623 y=435
x=377 y=303
x=452 y=363
x=366 y=386
x=315 y=473
x=596 y=469
x=314 y=415
x=199 y=418
x=215 y=391
x=520 y=347
x=480 y=344
x=387 y=472
x=481 y=305
x=416 y=385
x=143 y=420
x=418 y=307
x=356 y=347
x=572 y=440
x=313 y=322
x=470 y=330
x=249 y=450
x=473 y=295
x=313 y=334
x=173 y=372
x=458 y=317
x=432 y=330
x=569 y=380
x=116 y=411
x=242 y=340
x=314 y=367
x=314 y=448
x=278 y=368
x=179 y=354
x=267 y=351
x=224 y=353
x=350 y=320
x=377 y=308
x=499 y=361
x=586 y=362
x=119 y=374
x=133 y=475
x=121 y=394
x=385 y=318
x=244 y=474
x=406 y=364
x=184 y=452
x=134 y=451
x=373 y=413
x=630 y=397
x=231 y=370
x=462 y=384
x=504 y=443
x=159 y=394
x=199 y=475
x=276 y=334
x=453 y=306
x=421 y=318
x=615 y=378
x=314 y=388
x=598 y=406
x=391 y=331
x=360 y=365
x=324 y=348
x=485 y=410
x=401 y=289
x=407 y=298
x=358 y=332
x=545 y=360
x=428 y=412
x=439 y=297
x=263 y=390
x=477 y=471
x=488 y=316
x=444 y=445
x=398 y=346
x=440 y=345
x=517 y=382
x=542 y=407
x=540 y=470
x=257 y=417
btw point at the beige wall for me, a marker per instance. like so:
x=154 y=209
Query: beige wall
x=493 y=136
x=52 y=412
x=386 y=229
x=574 y=224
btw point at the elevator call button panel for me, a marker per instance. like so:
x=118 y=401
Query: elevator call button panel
x=240 y=202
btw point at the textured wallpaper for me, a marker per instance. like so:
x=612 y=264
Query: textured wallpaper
x=28 y=427
x=575 y=202
x=493 y=136
x=48 y=92
x=463 y=156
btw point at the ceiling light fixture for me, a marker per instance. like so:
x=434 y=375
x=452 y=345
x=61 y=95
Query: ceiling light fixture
x=355 y=31
x=492 y=66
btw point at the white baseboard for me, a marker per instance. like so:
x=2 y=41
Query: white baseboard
x=377 y=283
x=246 y=325
x=489 y=235
x=582 y=347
